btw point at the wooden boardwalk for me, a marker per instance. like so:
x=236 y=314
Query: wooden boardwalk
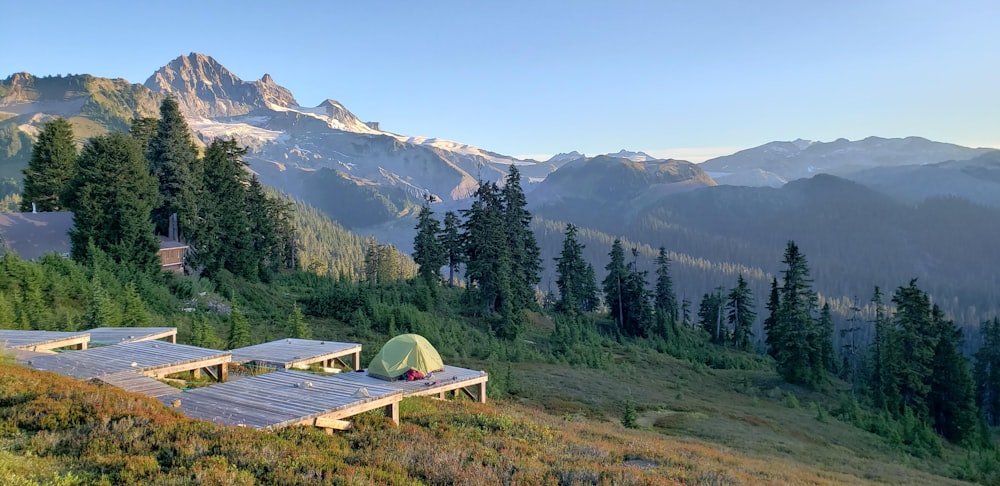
x=452 y=378
x=289 y=353
x=135 y=382
x=43 y=340
x=285 y=398
x=150 y=358
x=122 y=335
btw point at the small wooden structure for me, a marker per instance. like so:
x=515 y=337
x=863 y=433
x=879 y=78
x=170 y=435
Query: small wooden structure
x=172 y=254
x=452 y=378
x=43 y=340
x=285 y=398
x=150 y=358
x=122 y=335
x=135 y=382
x=291 y=353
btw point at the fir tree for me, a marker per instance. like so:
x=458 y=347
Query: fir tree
x=239 y=329
x=174 y=162
x=883 y=356
x=772 y=331
x=916 y=340
x=428 y=251
x=952 y=395
x=297 y=324
x=666 y=301
x=987 y=372
x=824 y=339
x=525 y=256
x=225 y=239
x=741 y=314
x=50 y=168
x=111 y=195
x=798 y=339
x=134 y=312
x=451 y=244
x=143 y=130
x=575 y=276
x=710 y=316
x=613 y=284
x=102 y=311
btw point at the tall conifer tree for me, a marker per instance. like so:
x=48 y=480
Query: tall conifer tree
x=51 y=166
x=428 y=252
x=741 y=314
x=987 y=372
x=174 y=162
x=525 y=256
x=575 y=276
x=451 y=242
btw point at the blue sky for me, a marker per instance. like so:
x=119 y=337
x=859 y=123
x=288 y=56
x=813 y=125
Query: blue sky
x=539 y=77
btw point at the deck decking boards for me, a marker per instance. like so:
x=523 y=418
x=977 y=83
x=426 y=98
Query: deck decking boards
x=451 y=378
x=279 y=399
x=42 y=340
x=286 y=353
x=149 y=356
x=134 y=382
x=122 y=335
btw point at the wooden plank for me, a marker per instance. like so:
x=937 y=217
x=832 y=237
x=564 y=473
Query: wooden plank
x=43 y=340
x=329 y=423
x=123 y=335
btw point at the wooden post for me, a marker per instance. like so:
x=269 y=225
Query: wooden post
x=173 y=338
x=82 y=346
x=224 y=373
x=357 y=361
x=482 y=392
x=196 y=373
x=392 y=411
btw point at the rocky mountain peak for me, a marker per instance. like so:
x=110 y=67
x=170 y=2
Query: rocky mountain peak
x=205 y=88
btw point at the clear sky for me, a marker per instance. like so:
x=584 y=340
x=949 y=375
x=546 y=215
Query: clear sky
x=675 y=78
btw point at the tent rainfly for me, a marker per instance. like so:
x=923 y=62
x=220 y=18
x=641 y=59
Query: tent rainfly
x=402 y=353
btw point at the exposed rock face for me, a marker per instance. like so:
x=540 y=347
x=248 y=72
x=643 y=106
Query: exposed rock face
x=205 y=88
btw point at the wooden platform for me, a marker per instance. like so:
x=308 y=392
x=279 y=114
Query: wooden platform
x=289 y=353
x=122 y=335
x=43 y=340
x=285 y=398
x=135 y=382
x=150 y=358
x=452 y=378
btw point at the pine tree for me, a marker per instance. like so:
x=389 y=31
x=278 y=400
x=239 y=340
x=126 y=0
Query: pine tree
x=50 y=168
x=987 y=372
x=710 y=316
x=613 y=284
x=8 y=319
x=143 y=130
x=916 y=340
x=666 y=301
x=225 y=239
x=451 y=244
x=297 y=324
x=883 y=357
x=575 y=276
x=428 y=251
x=952 y=396
x=525 y=256
x=134 y=312
x=102 y=311
x=174 y=162
x=111 y=195
x=239 y=329
x=487 y=254
x=771 y=329
x=824 y=339
x=741 y=314
x=798 y=338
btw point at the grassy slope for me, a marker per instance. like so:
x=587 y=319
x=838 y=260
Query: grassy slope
x=58 y=428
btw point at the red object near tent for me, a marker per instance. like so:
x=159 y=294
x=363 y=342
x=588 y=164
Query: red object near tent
x=413 y=374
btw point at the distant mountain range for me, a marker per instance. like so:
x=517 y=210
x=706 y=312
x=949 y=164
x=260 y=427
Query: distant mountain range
x=728 y=215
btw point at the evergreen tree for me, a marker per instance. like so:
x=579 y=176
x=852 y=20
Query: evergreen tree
x=883 y=357
x=143 y=129
x=916 y=339
x=952 y=396
x=798 y=338
x=773 y=333
x=742 y=313
x=111 y=195
x=987 y=372
x=297 y=324
x=525 y=256
x=613 y=284
x=824 y=339
x=710 y=316
x=50 y=168
x=239 y=329
x=8 y=319
x=451 y=244
x=487 y=254
x=666 y=301
x=102 y=311
x=428 y=252
x=134 y=312
x=174 y=162
x=575 y=276
x=224 y=239
x=270 y=230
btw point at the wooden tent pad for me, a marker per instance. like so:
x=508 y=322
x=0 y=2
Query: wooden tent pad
x=288 y=353
x=151 y=358
x=43 y=340
x=122 y=335
x=284 y=398
x=451 y=378
x=135 y=382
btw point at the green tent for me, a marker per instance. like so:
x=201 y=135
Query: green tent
x=402 y=353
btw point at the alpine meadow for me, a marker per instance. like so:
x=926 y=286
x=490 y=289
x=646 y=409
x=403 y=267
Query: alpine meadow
x=799 y=312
